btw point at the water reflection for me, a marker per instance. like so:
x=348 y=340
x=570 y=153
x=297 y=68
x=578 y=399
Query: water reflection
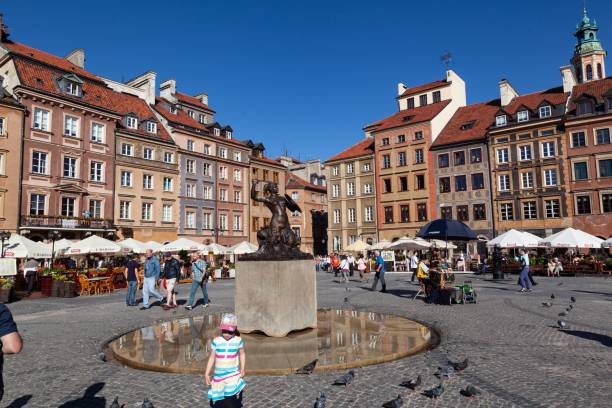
x=343 y=339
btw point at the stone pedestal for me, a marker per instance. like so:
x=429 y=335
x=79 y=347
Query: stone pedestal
x=276 y=297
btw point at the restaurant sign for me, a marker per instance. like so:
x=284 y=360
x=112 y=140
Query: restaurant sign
x=8 y=266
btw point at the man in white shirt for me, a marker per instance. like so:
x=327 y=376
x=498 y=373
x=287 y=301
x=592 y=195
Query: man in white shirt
x=344 y=269
x=29 y=272
x=351 y=262
x=414 y=262
x=524 y=276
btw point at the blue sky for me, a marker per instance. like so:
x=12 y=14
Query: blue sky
x=307 y=75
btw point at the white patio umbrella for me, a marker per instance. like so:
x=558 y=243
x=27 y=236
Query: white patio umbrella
x=515 y=239
x=19 y=246
x=438 y=243
x=243 y=247
x=607 y=243
x=216 y=249
x=93 y=245
x=407 y=243
x=358 y=246
x=133 y=245
x=181 y=244
x=59 y=246
x=572 y=238
x=381 y=245
x=152 y=245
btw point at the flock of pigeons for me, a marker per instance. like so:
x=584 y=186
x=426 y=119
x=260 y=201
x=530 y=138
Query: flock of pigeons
x=145 y=404
x=561 y=324
x=444 y=371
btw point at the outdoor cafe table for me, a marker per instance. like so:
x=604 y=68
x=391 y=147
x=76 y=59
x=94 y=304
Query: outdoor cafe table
x=97 y=281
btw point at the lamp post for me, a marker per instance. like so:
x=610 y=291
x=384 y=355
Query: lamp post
x=54 y=235
x=4 y=236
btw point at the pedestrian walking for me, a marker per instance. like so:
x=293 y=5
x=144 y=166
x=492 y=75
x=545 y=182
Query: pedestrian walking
x=524 y=276
x=344 y=269
x=132 y=281
x=335 y=263
x=361 y=267
x=379 y=268
x=199 y=278
x=172 y=271
x=151 y=276
x=228 y=358
x=351 y=262
x=10 y=340
x=414 y=263
x=30 y=269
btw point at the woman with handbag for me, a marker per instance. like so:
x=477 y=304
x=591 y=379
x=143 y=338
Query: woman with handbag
x=199 y=278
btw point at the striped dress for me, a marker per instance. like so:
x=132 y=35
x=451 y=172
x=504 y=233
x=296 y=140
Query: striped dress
x=226 y=379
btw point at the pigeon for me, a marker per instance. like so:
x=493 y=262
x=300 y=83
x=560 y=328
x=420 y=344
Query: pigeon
x=348 y=289
x=308 y=368
x=546 y=304
x=434 y=392
x=470 y=391
x=560 y=283
x=147 y=404
x=561 y=324
x=552 y=296
x=459 y=366
x=115 y=403
x=394 y=403
x=346 y=379
x=444 y=371
x=102 y=357
x=562 y=314
x=346 y=300
x=573 y=299
x=412 y=384
x=320 y=401
x=570 y=307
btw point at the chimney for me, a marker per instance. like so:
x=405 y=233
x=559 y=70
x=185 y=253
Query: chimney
x=145 y=82
x=506 y=92
x=401 y=88
x=4 y=34
x=77 y=57
x=167 y=89
x=568 y=78
x=202 y=97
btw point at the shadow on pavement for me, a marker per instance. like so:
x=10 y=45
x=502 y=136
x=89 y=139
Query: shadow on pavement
x=594 y=293
x=602 y=338
x=89 y=399
x=403 y=293
x=20 y=402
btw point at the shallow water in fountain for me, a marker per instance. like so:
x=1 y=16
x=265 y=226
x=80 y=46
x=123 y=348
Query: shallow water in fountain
x=343 y=339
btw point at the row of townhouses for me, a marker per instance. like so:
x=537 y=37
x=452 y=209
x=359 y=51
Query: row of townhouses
x=85 y=155
x=539 y=162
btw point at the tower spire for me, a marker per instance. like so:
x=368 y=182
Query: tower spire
x=589 y=55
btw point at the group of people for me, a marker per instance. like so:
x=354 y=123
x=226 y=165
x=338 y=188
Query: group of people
x=344 y=266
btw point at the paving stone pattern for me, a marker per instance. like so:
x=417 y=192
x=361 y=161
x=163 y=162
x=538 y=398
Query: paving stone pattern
x=518 y=358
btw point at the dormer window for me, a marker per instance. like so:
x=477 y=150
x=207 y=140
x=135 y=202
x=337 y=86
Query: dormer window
x=609 y=102
x=467 y=125
x=191 y=114
x=228 y=134
x=202 y=119
x=217 y=132
x=151 y=127
x=131 y=122
x=70 y=84
x=522 y=116
x=73 y=88
x=173 y=110
x=500 y=120
x=545 y=111
x=584 y=107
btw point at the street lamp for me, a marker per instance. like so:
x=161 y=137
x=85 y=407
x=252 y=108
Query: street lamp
x=4 y=236
x=53 y=236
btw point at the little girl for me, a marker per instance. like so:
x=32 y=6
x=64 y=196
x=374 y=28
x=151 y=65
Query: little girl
x=228 y=358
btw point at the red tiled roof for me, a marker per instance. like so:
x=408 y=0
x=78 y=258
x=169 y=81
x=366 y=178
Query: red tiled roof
x=269 y=161
x=595 y=89
x=424 y=87
x=296 y=182
x=408 y=117
x=474 y=119
x=192 y=100
x=125 y=103
x=532 y=101
x=362 y=148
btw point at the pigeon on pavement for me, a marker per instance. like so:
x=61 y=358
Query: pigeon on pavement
x=445 y=371
x=115 y=403
x=546 y=304
x=102 y=357
x=573 y=299
x=570 y=307
x=346 y=300
x=561 y=324
x=308 y=368
x=460 y=365
x=552 y=296
x=412 y=384
x=562 y=314
x=345 y=379
x=320 y=401
x=434 y=392
x=147 y=404
x=394 y=403
x=470 y=391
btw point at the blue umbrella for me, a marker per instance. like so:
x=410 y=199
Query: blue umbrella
x=447 y=230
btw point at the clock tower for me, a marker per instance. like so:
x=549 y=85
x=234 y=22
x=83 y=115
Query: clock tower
x=589 y=55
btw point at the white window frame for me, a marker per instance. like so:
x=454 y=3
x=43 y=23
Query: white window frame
x=190 y=219
x=238 y=197
x=96 y=211
x=190 y=145
x=335 y=170
x=96 y=168
x=547 y=176
x=223 y=194
x=41 y=119
x=546 y=208
x=74 y=206
x=146 y=212
x=168 y=157
x=527 y=177
x=501 y=120
x=367 y=188
x=38 y=203
x=223 y=172
x=127 y=149
x=72 y=88
x=367 y=167
x=149 y=150
x=208 y=192
x=546 y=151
x=545 y=111
x=151 y=127
x=351 y=215
x=526 y=148
x=507 y=155
x=127 y=178
x=216 y=131
x=190 y=190
x=238 y=156
x=148 y=182
x=335 y=190
x=125 y=210
x=336 y=216
x=237 y=175
x=98 y=132
x=45 y=163
x=503 y=211
x=522 y=116
x=350 y=168
x=223 y=222
x=206 y=169
x=223 y=152
x=206 y=221
x=368 y=214
x=168 y=184
x=190 y=166
x=206 y=149
x=530 y=210
x=75 y=167
x=131 y=122
x=167 y=213
x=350 y=188
x=71 y=126
x=506 y=186
x=237 y=222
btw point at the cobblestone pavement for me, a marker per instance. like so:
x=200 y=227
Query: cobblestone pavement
x=518 y=357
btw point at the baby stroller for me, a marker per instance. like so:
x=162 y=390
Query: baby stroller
x=468 y=292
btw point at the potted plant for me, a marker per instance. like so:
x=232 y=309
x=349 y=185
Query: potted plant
x=46 y=282
x=57 y=288
x=6 y=289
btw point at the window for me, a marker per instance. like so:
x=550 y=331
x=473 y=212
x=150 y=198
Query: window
x=2 y=126
x=436 y=96
x=410 y=103
x=125 y=210
x=222 y=152
x=173 y=110
x=349 y=168
x=147 y=153
x=477 y=181
x=401 y=159
x=423 y=100
x=476 y=155
x=223 y=172
x=68 y=206
x=126 y=178
x=446 y=213
x=207 y=221
x=95 y=208
x=547 y=132
x=237 y=175
x=335 y=170
x=388 y=215
x=522 y=116
x=505 y=212
x=336 y=216
x=97 y=133
x=217 y=132
x=525 y=152
x=127 y=149
x=191 y=114
x=589 y=72
x=550 y=177
x=237 y=222
x=386 y=159
x=222 y=194
x=131 y=122
x=147 y=211
x=418 y=135
x=529 y=210
x=548 y=149
x=206 y=149
x=71 y=126
x=583 y=204
x=228 y=134
x=350 y=189
x=605 y=168
x=500 y=120
x=443 y=160
x=147 y=181
x=609 y=102
x=237 y=196
x=459 y=158
x=385 y=141
x=581 y=171
x=190 y=166
x=39 y=162
x=460 y=183
x=73 y=88
x=202 y=118
x=462 y=213
x=526 y=180
x=553 y=209
x=401 y=138
x=207 y=192
x=404 y=213
x=190 y=221
x=445 y=186
x=369 y=214
x=190 y=145
x=387 y=186
x=467 y=125
x=419 y=182
x=96 y=171
x=295 y=195
x=418 y=156
x=578 y=139
x=367 y=188
x=545 y=111
x=70 y=167
x=501 y=140
x=480 y=212
x=367 y=167
x=337 y=243
x=41 y=119
x=351 y=215
x=37 y=204
x=422 y=212
x=238 y=156
x=335 y=190
x=502 y=155
x=206 y=169
x=168 y=157
x=167 y=213
x=584 y=107
x=503 y=182
x=167 y=184
x=603 y=136
x=606 y=203
x=151 y=127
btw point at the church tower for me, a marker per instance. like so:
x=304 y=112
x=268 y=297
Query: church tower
x=589 y=55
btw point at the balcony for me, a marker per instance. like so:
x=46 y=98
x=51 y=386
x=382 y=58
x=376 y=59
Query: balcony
x=66 y=223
